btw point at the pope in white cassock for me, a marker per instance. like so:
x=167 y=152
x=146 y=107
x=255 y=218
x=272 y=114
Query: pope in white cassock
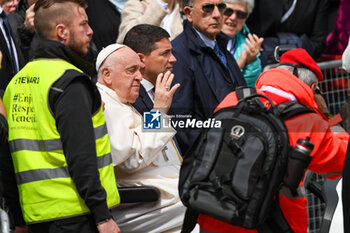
x=140 y=158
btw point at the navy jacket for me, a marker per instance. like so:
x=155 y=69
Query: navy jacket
x=143 y=103
x=7 y=70
x=196 y=69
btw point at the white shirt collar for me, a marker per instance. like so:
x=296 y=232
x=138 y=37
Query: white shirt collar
x=148 y=86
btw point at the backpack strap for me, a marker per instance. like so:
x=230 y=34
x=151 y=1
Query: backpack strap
x=276 y=222
x=244 y=92
x=290 y=109
x=190 y=220
x=248 y=93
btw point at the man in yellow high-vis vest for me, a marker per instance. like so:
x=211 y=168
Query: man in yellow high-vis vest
x=57 y=132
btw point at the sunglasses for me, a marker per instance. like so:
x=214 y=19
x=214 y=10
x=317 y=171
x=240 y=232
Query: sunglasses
x=240 y=14
x=209 y=7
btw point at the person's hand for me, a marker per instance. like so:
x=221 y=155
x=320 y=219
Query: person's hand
x=29 y=21
x=164 y=94
x=21 y=229
x=108 y=227
x=253 y=47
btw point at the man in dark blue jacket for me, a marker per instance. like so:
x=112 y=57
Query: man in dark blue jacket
x=152 y=45
x=204 y=68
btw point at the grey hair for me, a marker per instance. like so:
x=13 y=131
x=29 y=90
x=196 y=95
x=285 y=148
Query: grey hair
x=249 y=4
x=304 y=74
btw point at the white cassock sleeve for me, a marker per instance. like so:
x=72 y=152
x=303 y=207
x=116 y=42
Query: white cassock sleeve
x=131 y=148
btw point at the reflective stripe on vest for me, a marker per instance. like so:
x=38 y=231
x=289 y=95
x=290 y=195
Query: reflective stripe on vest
x=61 y=172
x=46 y=189
x=48 y=145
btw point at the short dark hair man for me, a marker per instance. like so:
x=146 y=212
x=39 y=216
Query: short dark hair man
x=59 y=144
x=206 y=71
x=153 y=46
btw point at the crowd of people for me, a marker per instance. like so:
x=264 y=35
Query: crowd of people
x=78 y=77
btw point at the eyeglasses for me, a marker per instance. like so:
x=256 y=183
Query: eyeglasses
x=240 y=14
x=209 y=7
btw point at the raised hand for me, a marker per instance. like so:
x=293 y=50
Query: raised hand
x=29 y=21
x=164 y=92
x=252 y=48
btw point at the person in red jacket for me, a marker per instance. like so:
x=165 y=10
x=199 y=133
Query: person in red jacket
x=329 y=139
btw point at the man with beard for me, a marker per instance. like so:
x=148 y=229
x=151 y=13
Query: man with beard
x=57 y=133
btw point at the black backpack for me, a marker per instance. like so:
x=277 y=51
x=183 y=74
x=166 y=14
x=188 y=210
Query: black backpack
x=234 y=172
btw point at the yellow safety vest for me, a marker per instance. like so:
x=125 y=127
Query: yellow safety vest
x=46 y=190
